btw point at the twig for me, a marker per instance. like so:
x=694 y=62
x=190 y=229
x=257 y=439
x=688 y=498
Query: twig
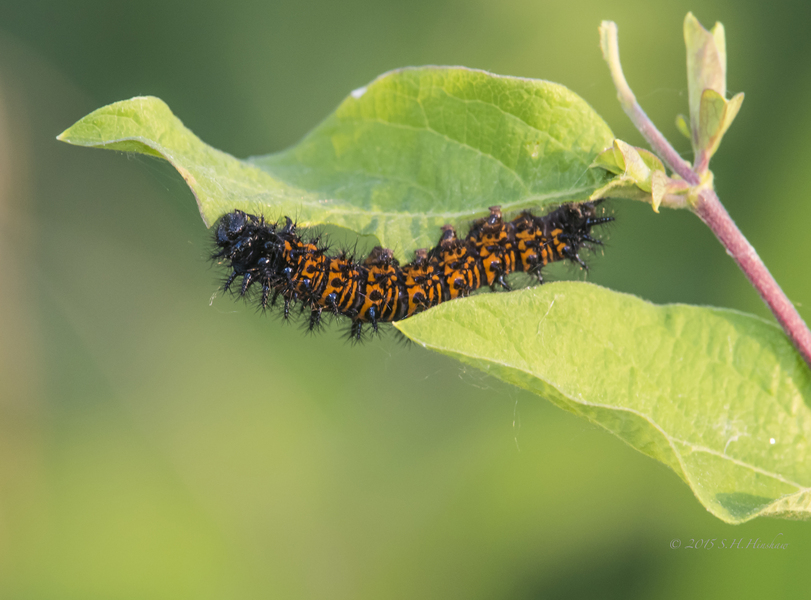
x=712 y=212
x=707 y=205
x=660 y=145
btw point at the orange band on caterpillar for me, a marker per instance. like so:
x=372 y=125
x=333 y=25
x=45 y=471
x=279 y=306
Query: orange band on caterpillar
x=283 y=265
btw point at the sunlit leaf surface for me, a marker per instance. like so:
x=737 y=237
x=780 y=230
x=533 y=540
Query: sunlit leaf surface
x=719 y=396
x=414 y=150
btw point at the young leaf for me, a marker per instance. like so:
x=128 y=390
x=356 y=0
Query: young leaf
x=640 y=176
x=716 y=114
x=706 y=65
x=683 y=127
x=721 y=397
x=415 y=149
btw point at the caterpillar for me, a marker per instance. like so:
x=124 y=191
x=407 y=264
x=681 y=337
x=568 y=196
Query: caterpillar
x=300 y=270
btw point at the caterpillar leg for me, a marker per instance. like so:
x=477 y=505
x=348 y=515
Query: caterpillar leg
x=572 y=254
x=230 y=280
x=263 y=303
x=332 y=304
x=356 y=331
x=315 y=320
x=247 y=280
x=372 y=313
x=503 y=282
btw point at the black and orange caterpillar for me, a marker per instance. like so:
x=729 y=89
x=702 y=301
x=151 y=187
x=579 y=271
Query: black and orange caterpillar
x=298 y=270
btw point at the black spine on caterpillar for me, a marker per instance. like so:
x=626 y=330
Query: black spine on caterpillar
x=300 y=271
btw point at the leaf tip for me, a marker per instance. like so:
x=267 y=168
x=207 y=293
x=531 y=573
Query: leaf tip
x=683 y=127
x=66 y=136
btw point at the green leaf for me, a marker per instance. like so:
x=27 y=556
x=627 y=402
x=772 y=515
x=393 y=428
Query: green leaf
x=719 y=396
x=640 y=175
x=658 y=188
x=715 y=116
x=636 y=163
x=415 y=149
x=706 y=66
x=683 y=127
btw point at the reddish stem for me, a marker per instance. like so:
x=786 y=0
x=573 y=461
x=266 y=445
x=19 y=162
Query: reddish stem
x=713 y=213
x=708 y=207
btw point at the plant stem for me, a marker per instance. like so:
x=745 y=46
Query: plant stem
x=708 y=207
x=712 y=212
x=611 y=53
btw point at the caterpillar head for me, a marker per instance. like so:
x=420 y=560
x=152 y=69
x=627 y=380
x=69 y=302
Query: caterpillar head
x=230 y=227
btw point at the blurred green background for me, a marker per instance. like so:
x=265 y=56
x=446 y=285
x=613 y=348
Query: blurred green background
x=156 y=445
